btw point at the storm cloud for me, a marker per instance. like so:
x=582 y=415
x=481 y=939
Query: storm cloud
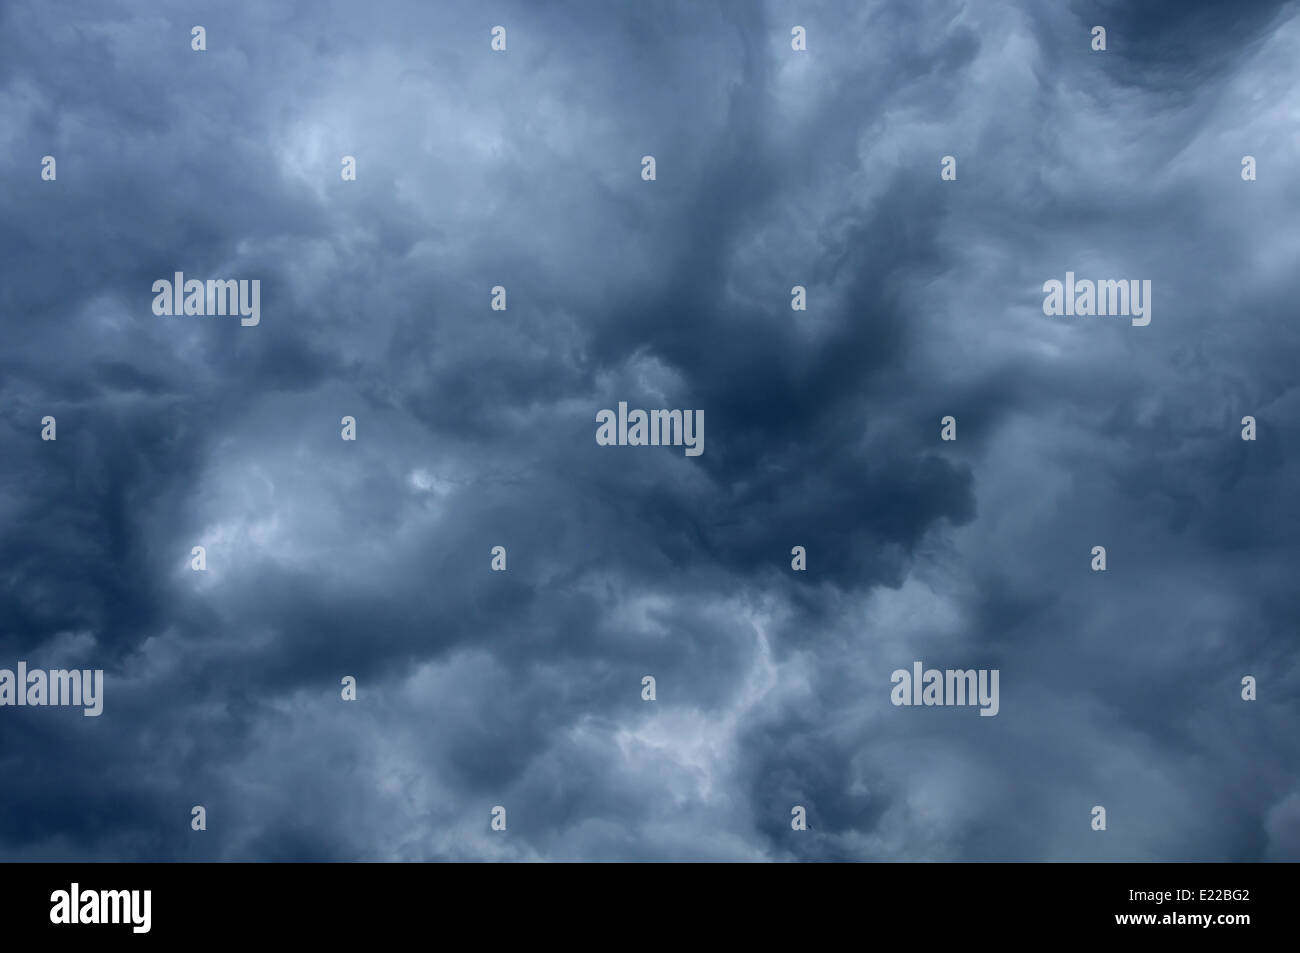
x=475 y=428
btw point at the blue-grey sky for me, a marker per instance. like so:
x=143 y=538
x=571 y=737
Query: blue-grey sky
x=476 y=428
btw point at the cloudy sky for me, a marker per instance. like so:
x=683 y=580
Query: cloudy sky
x=475 y=428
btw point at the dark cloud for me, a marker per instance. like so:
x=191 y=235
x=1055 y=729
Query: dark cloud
x=476 y=428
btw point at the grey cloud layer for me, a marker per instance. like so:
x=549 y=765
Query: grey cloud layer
x=476 y=428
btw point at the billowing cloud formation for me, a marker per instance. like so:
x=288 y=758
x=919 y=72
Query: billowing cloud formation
x=475 y=428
